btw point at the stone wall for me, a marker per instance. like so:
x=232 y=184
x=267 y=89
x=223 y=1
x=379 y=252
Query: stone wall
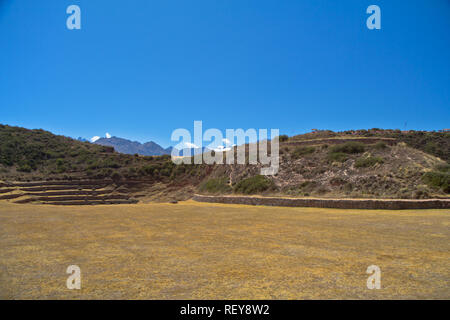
x=331 y=141
x=329 y=203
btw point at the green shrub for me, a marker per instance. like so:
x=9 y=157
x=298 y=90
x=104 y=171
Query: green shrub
x=166 y=172
x=110 y=163
x=380 y=145
x=283 y=138
x=337 y=157
x=367 y=162
x=24 y=168
x=148 y=169
x=61 y=169
x=305 y=184
x=443 y=168
x=421 y=194
x=132 y=171
x=256 y=184
x=116 y=176
x=430 y=147
x=215 y=185
x=94 y=165
x=437 y=179
x=307 y=187
x=301 y=151
x=348 y=147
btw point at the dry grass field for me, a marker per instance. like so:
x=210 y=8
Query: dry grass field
x=195 y=250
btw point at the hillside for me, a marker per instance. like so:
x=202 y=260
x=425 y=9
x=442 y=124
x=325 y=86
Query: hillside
x=431 y=142
x=38 y=155
x=354 y=164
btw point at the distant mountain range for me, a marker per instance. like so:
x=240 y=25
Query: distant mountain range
x=132 y=147
x=145 y=149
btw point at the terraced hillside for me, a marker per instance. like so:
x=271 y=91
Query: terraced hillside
x=39 y=167
x=65 y=193
x=435 y=143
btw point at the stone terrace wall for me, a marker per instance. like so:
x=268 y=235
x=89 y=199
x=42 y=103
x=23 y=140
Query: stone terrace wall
x=329 y=203
x=333 y=141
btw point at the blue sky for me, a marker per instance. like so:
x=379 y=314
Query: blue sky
x=140 y=69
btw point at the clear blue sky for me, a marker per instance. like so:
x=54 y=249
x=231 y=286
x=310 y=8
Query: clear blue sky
x=142 y=68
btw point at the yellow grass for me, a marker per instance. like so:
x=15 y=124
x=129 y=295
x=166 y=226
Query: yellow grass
x=213 y=251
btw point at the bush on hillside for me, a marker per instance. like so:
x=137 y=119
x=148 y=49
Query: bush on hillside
x=349 y=148
x=380 y=145
x=256 y=184
x=337 y=157
x=301 y=151
x=116 y=176
x=439 y=179
x=283 y=138
x=367 y=162
x=215 y=185
x=443 y=168
x=24 y=168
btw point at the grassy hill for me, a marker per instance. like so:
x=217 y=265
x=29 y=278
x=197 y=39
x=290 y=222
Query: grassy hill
x=27 y=155
x=431 y=142
x=365 y=163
